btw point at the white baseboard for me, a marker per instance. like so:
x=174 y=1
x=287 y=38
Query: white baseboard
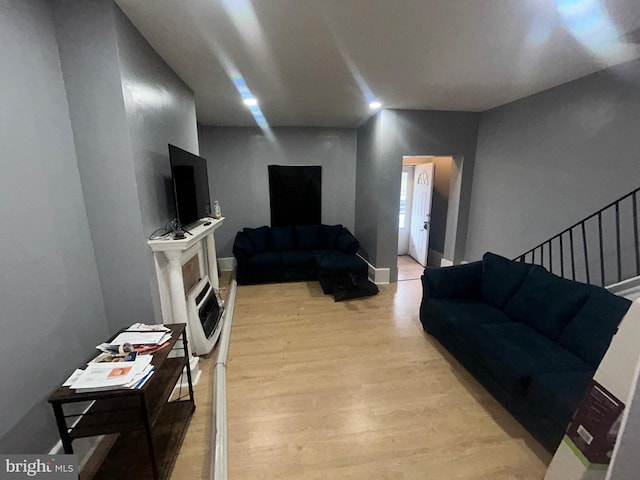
x=445 y=263
x=378 y=275
x=227 y=264
x=381 y=275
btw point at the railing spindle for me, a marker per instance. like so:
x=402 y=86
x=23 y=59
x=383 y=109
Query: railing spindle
x=635 y=232
x=586 y=253
x=561 y=258
x=601 y=248
x=620 y=242
x=573 y=261
x=618 y=259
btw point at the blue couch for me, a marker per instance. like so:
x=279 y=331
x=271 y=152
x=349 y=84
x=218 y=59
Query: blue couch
x=533 y=339
x=303 y=252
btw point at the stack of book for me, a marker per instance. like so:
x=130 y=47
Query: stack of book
x=125 y=362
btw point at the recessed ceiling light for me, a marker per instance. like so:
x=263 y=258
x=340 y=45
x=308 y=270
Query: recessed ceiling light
x=375 y=105
x=251 y=101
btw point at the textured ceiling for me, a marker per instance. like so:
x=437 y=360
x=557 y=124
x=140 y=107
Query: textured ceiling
x=318 y=62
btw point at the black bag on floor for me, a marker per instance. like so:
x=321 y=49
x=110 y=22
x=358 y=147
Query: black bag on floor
x=354 y=286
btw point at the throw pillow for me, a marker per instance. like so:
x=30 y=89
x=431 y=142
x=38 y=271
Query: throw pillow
x=547 y=302
x=259 y=238
x=501 y=278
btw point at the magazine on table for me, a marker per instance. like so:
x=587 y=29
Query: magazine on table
x=112 y=375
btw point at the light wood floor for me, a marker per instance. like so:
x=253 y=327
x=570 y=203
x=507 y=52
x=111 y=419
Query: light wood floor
x=354 y=390
x=408 y=268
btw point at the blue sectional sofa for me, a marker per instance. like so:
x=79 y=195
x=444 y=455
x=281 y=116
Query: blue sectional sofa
x=533 y=339
x=303 y=252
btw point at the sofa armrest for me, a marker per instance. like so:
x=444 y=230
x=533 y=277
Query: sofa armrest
x=347 y=243
x=242 y=246
x=458 y=281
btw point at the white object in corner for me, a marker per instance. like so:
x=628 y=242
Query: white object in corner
x=227 y=264
x=201 y=301
x=617 y=372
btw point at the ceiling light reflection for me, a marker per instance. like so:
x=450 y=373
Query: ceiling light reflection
x=248 y=98
x=589 y=22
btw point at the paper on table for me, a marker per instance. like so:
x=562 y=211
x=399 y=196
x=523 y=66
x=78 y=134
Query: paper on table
x=109 y=375
x=73 y=377
x=141 y=338
x=149 y=328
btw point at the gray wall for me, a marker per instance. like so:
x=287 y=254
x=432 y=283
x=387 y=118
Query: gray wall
x=52 y=308
x=382 y=142
x=125 y=105
x=237 y=160
x=89 y=53
x=551 y=159
x=369 y=152
x=440 y=203
x=160 y=109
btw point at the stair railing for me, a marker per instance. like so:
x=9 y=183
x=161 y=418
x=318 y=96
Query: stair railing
x=601 y=249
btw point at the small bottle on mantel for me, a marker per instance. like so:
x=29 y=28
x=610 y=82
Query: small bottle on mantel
x=216 y=210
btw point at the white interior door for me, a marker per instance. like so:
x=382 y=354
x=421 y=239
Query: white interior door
x=421 y=212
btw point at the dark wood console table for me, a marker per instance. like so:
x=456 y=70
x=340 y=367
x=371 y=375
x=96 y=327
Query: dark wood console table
x=150 y=415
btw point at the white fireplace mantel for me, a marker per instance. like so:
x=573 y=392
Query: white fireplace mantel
x=170 y=255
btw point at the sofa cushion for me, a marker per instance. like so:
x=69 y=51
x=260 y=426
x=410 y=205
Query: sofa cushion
x=513 y=352
x=329 y=236
x=265 y=260
x=307 y=237
x=591 y=330
x=333 y=262
x=282 y=238
x=547 y=302
x=298 y=258
x=259 y=238
x=466 y=316
x=557 y=395
x=501 y=278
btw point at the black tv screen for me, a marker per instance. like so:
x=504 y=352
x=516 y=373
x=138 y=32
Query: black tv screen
x=190 y=186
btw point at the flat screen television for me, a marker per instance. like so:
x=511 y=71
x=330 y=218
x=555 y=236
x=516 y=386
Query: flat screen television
x=190 y=186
